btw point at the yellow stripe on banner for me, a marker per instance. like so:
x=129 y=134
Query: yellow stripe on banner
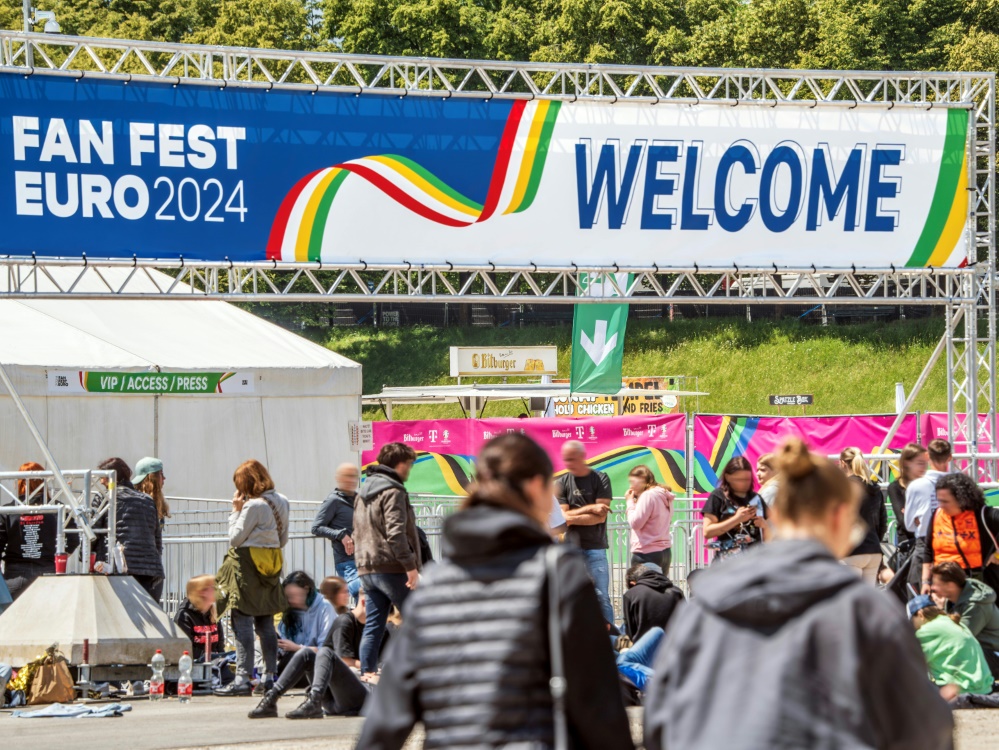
x=448 y=473
x=309 y=217
x=956 y=220
x=527 y=163
x=664 y=469
x=722 y=432
x=429 y=188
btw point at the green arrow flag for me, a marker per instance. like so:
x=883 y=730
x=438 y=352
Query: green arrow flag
x=598 y=341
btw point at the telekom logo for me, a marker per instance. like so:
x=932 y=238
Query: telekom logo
x=433 y=436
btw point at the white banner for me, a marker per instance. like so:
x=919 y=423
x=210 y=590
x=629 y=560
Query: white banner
x=670 y=185
x=509 y=360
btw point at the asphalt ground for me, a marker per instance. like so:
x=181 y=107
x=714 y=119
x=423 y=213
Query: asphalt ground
x=219 y=723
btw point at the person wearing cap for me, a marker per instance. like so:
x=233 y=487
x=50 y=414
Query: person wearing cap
x=955 y=658
x=148 y=479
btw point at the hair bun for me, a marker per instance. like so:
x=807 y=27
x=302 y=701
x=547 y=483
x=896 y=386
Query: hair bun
x=796 y=461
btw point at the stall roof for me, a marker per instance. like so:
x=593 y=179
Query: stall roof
x=449 y=394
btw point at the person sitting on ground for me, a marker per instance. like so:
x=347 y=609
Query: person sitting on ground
x=198 y=619
x=650 y=601
x=148 y=479
x=334 y=688
x=335 y=521
x=649 y=509
x=792 y=649
x=28 y=540
x=962 y=530
x=636 y=664
x=866 y=558
x=974 y=601
x=138 y=531
x=336 y=591
x=472 y=659
x=306 y=622
x=955 y=659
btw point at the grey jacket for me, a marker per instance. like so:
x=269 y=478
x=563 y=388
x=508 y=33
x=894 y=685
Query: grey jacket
x=256 y=526
x=471 y=661
x=334 y=521
x=785 y=648
x=385 y=538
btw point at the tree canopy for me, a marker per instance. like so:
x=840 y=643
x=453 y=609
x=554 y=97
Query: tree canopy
x=839 y=34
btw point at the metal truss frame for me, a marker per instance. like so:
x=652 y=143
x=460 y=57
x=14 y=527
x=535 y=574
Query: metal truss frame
x=968 y=294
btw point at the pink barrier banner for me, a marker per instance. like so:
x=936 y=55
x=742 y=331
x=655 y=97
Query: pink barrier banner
x=718 y=438
x=446 y=448
x=935 y=426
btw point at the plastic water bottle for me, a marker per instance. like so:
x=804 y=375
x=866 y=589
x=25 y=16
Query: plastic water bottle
x=185 y=685
x=156 y=681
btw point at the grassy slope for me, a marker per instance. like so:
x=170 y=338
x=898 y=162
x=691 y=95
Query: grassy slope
x=849 y=369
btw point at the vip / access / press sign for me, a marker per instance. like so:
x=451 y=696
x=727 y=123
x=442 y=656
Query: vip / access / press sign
x=162 y=171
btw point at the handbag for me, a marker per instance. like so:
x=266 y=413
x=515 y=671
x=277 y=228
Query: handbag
x=51 y=681
x=556 y=682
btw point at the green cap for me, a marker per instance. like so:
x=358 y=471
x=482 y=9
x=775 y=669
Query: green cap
x=145 y=467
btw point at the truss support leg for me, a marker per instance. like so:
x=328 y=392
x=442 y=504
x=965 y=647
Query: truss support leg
x=68 y=499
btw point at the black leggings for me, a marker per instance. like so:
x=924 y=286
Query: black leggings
x=339 y=690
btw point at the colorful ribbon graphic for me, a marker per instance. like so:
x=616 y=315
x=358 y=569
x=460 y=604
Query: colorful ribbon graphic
x=303 y=218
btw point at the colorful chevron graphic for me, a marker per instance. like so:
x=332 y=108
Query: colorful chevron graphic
x=302 y=220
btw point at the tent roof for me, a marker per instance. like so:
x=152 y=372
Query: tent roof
x=443 y=394
x=178 y=335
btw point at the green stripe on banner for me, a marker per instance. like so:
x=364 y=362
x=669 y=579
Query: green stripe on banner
x=540 y=156
x=951 y=160
x=322 y=214
x=436 y=181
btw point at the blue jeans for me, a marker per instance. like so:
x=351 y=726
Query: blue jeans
x=381 y=591
x=348 y=572
x=636 y=663
x=596 y=563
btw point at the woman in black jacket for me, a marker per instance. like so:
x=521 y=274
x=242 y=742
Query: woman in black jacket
x=866 y=557
x=137 y=531
x=28 y=541
x=472 y=661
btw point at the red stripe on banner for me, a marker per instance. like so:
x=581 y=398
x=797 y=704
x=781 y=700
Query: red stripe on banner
x=280 y=224
x=503 y=159
x=399 y=196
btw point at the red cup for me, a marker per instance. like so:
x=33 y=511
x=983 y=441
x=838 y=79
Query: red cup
x=60 y=563
x=93 y=560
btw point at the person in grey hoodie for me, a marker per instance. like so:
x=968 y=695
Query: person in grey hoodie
x=974 y=601
x=386 y=544
x=785 y=647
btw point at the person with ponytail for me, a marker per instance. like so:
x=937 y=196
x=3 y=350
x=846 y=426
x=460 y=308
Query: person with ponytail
x=649 y=511
x=783 y=646
x=472 y=660
x=148 y=479
x=866 y=557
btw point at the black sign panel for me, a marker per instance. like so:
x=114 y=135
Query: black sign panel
x=802 y=400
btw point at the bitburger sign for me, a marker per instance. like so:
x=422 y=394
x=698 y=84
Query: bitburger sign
x=469 y=361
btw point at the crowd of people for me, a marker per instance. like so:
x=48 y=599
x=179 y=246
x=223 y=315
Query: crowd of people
x=801 y=620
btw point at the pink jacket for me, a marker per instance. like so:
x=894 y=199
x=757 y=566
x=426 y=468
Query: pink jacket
x=649 y=518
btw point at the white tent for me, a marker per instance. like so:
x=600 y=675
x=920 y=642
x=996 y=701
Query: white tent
x=287 y=405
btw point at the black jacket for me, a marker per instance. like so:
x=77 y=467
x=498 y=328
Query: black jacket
x=200 y=629
x=471 y=660
x=139 y=531
x=28 y=544
x=874 y=514
x=334 y=521
x=896 y=495
x=783 y=647
x=650 y=603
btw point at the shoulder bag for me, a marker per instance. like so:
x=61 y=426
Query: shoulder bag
x=556 y=681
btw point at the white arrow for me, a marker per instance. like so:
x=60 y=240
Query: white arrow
x=600 y=347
